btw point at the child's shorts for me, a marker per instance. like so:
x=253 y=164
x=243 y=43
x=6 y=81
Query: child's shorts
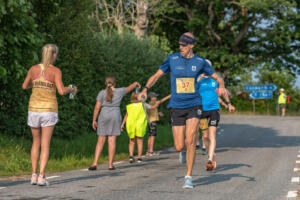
x=152 y=128
x=42 y=119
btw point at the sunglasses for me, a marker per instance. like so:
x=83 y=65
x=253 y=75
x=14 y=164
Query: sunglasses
x=183 y=44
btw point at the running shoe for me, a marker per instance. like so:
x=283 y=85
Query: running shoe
x=211 y=165
x=149 y=154
x=182 y=157
x=34 y=179
x=203 y=151
x=42 y=181
x=91 y=168
x=131 y=159
x=139 y=160
x=188 y=183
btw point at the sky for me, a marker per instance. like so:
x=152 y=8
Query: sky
x=298 y=82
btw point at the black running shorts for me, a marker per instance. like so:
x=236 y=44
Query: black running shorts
x=179 y=116
x=213 y=117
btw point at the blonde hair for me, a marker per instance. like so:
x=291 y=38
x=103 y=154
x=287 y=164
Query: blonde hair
x=109 y=82
x=134 y=98
x=47 y=54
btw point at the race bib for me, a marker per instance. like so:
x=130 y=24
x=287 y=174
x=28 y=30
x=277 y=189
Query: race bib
x=185 y=85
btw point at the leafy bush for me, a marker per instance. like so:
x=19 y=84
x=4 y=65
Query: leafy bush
x=19 y=41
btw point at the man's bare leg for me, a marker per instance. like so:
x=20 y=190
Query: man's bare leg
x=192 y=126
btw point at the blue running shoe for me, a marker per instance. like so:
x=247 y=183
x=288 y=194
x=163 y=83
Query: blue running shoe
x=188 y=183
x=182 y=158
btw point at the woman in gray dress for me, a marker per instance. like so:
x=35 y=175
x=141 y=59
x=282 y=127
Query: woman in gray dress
x=110 y=119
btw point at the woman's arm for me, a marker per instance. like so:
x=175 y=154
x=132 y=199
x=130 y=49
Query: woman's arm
x=95 y=115
x=124 y=121
x=27 y=82
x=132 y=86
x=62 y=90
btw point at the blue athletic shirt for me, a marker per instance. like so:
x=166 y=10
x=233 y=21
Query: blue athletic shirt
x=207 y=89
x=183 y=76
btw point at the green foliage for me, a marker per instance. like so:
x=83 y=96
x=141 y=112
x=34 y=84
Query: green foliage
x=125 y=57
x=252 y=34
x=235 y=35
x=85 y=58
x=19 y=41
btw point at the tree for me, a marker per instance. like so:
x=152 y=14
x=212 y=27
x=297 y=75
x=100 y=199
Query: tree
x=130 y=14
x=19 y=41
x=236 y=35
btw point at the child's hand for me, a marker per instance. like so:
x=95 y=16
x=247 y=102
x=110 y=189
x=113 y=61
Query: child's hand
x=94 y=125
x=161 y=114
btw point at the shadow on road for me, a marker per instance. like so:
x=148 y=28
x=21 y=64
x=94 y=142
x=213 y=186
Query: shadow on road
x=225 y=167
x=86 y=178
x=215 y=178
x=247 y=136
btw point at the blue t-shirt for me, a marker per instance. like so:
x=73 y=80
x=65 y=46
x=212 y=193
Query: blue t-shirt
x=207 y=89
x=183 y=76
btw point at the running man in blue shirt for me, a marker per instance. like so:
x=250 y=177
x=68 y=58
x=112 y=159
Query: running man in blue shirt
x=185 y=103
x=208 y=90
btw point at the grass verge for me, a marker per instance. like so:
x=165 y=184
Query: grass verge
x=66 y=154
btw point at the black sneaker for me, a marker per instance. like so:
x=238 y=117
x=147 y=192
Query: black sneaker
x=139 y=160
x=91 y=168
x=131 y=159
x=203 y=151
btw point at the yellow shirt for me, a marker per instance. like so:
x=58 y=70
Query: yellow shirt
x=282 y=99
x=43 y=97
x=153 y=113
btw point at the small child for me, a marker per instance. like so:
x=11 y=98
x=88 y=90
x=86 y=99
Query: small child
x=136 y=124
x=153 y=120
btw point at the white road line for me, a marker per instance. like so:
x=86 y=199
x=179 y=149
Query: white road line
x=295 y=179
x=50 y=177
x=296 y=169
x=2 y=188
x=298 y=156
x=85 y=170
x=116 y=163
x=298 y=161
x=292 y=194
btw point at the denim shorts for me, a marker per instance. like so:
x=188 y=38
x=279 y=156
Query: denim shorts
x=42 y=119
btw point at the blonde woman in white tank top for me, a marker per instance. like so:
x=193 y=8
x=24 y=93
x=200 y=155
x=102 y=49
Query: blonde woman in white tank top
x=44 y=79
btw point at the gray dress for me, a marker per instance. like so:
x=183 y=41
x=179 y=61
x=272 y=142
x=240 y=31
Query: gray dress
x=110 y=119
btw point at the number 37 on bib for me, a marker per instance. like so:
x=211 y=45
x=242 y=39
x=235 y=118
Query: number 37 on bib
x=185 y=85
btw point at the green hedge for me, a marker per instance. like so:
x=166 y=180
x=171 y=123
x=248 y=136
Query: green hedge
x=86 y=65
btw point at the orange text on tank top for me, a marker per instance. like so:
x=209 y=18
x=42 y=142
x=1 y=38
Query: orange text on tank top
x=43 y=97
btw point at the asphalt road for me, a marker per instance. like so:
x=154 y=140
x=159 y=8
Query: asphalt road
x=255 y=160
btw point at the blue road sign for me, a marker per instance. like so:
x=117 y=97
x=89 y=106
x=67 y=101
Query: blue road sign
x=250 y=88
x=261 y=95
